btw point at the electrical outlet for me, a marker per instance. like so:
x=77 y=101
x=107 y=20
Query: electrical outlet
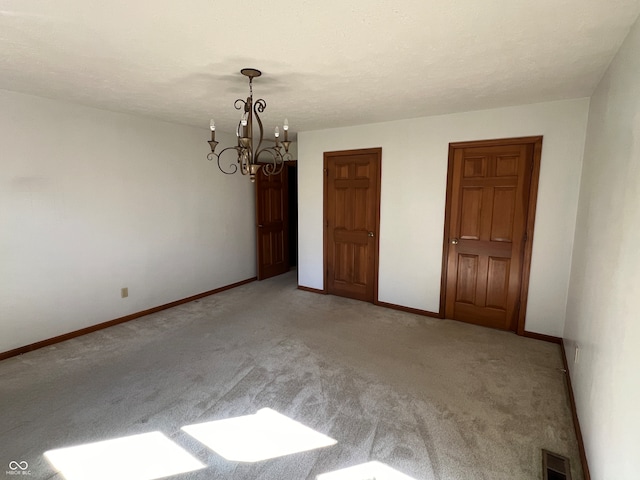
x=124 y=292
x=576 y=356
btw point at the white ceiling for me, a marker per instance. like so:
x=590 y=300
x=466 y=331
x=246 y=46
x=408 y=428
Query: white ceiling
x=325 y=63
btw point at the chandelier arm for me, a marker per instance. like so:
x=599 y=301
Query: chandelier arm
x=233 y=168
x=239 y=104
x=275 y=153
x=259 y=106
x=273 y=167
x=270 y=169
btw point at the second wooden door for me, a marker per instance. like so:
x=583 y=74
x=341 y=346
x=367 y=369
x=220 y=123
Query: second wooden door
x=488 y=216
x=352 y=212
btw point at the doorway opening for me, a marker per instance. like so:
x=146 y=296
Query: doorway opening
x=292 y=192
x=277 y=221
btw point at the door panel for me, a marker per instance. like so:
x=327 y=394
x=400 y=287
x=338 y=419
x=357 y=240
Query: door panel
x=467 y=278
x=352 y=198
x=504 y=200
x=271 y=216
x=488 y=198
x=498 y=282
x=470 y=213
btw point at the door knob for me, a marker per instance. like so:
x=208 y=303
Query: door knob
x=454 y=241
x=371 y=234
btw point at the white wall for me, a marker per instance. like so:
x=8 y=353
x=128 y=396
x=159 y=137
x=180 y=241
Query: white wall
x=414 y=170
x=602 y=311
x=92 y=201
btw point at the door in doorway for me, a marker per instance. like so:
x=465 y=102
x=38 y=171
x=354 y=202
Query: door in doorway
x=491 y=192
x=351 y=222
x=272 y=212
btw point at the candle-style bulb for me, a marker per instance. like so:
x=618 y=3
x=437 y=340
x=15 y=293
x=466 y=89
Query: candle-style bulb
x=212 y=124
x=277 y=132
x=243 y=120
x=286 y=125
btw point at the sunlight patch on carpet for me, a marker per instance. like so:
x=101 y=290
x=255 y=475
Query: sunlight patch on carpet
x=141 y=457
x=366 y=471
x=252 y=438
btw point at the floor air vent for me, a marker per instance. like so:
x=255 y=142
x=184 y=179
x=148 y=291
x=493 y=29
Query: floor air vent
x=554 y=466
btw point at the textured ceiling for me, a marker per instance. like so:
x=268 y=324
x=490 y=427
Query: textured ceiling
x=328 y=63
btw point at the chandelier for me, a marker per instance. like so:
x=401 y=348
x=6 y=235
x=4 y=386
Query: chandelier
x=249 y=160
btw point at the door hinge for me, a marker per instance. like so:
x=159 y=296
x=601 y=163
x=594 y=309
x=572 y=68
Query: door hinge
x=326 y=172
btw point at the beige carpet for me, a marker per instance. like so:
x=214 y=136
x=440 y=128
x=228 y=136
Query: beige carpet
x=430 y=398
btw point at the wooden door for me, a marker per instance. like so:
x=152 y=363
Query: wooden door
x=488 y=229
x=352 y=213
x=272 y=225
